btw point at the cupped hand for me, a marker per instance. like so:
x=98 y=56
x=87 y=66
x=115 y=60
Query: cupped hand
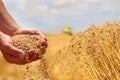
x=16 y=56
x=43 y=43
x=10 y=53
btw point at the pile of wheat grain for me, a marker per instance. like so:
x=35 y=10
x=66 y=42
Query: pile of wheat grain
x=28 y=42
x=32 y=42
x=93 y=54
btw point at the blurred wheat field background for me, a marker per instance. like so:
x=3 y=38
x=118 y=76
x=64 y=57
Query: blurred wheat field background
x=93 y=54
x=18 y=72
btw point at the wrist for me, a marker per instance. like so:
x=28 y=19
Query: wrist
x=14 y=28
x=9 y=28
x=7 y=24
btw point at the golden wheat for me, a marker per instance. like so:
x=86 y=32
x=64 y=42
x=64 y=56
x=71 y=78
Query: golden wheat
x=93 y=54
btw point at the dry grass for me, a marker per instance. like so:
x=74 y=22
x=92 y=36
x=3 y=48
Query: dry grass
x=93 y=54
x=19 y=72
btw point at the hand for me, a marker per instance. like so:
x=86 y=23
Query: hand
x=10 y=53
x=34 y=32
x=14 y=55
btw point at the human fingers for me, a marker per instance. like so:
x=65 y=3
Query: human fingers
x=31 y=32
x=44 y=45
x=31 y=55
x=36 y=32
x=13 y=59
x=11 y=50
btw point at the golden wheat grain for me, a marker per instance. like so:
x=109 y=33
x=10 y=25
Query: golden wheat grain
x=28 y=42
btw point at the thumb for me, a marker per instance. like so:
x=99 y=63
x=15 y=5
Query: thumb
x=11 y=50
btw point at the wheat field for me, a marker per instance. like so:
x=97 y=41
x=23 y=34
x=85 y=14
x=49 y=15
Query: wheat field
x=18 y=72
x=92 y=54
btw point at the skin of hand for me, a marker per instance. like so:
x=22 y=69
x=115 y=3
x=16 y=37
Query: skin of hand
x=10 y=53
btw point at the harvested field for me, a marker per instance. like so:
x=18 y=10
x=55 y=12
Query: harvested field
x=19 y=72
x=93 y=54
